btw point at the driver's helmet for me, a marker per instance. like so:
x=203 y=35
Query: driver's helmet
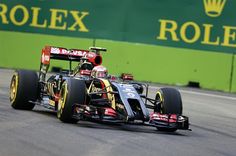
x=99 y=72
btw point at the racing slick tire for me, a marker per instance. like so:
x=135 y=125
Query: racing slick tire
x=171 y=103
x=72 y=92
x=23 y=89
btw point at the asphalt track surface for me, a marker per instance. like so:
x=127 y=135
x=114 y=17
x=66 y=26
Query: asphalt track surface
x=40 y=133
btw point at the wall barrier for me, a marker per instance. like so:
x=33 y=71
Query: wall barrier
x=233 y=78
x=176 y=66
x=187 y=42
x=167 y=65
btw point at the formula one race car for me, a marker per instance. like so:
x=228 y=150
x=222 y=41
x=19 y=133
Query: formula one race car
x=88 y=94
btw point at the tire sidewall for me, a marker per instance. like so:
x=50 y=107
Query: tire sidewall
x=73 y=91
x=26 y=89
x=171 y=101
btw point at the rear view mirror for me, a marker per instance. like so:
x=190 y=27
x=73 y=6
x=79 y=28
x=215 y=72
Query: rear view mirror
x=125 y=76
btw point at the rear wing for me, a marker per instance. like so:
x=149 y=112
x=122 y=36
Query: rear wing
x=50 y=52
x=59 y=53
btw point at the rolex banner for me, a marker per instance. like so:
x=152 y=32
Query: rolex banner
x=193 y=24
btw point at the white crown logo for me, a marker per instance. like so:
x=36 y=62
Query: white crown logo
x=214 y=8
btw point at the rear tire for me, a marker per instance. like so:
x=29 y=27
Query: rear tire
x=23 y=88
x=171 y=103
x=72 y=92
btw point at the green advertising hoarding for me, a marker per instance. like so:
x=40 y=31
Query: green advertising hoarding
x=181 y=40
x=199 y=24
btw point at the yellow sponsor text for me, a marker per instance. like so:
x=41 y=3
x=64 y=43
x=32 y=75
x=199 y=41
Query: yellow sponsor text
x=57 y=19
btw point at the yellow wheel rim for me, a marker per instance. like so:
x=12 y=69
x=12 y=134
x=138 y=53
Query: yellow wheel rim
x=13 y=88
x=62 y=99
x=161 y=100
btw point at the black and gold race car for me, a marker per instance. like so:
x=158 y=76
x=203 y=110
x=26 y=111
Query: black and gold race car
x=76 y=95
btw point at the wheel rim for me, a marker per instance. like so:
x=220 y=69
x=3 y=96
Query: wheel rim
x=13 y=88
x=160 y=97
x=62 y=99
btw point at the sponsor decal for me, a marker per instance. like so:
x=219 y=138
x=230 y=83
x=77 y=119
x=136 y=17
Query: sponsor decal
x=63 y=51
x=203 y=33
x=35 y=17
x=214 y=8
x=128 y=90
x=45 y=58
x=132 y=95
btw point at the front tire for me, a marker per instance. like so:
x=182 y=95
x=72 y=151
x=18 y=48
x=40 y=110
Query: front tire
x=23 y=89
x=170 y=103
x=72 y=92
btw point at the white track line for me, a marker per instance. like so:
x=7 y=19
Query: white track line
x=208 y=94
x=203 y=94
